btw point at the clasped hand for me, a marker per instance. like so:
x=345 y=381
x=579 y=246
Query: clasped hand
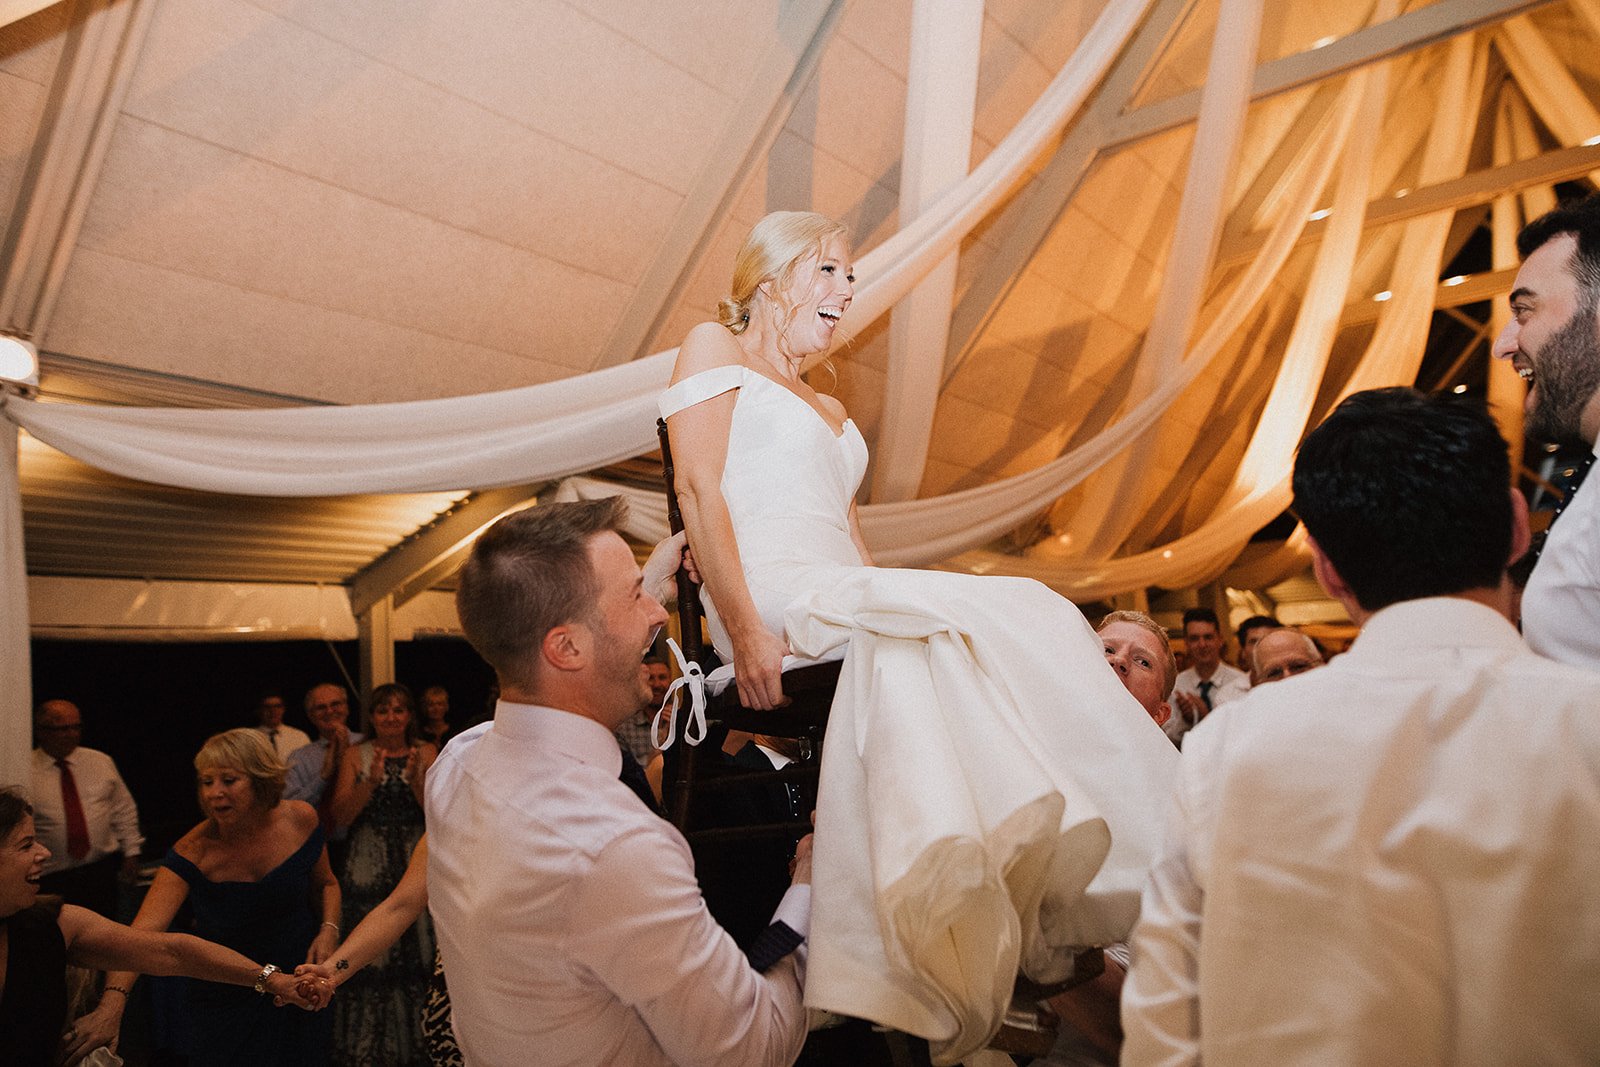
x=313 y=986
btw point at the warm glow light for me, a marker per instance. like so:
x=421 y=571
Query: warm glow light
x=1457 y=280
x=1592 y=141
x=1401 y=193
x=19 y=360
x=1381 y=297
x=1166 y=553
x=1322 y=42
x=1459 y=389
x=1319 y=214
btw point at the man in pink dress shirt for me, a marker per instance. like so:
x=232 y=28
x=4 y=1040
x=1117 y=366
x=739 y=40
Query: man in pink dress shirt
x=570 y=923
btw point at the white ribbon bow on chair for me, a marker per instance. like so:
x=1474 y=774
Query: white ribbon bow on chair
x=692 y=677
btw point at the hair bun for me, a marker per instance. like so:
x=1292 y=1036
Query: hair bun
x=733 y=314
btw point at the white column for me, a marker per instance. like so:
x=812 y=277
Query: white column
x=941 y=99
x=16 y=673
x=375 y=639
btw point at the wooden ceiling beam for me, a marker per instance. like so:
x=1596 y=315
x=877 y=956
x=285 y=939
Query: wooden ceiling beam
x=1426 y=26
x=398 y=568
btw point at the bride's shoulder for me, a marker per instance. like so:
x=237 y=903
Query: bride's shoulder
x=833 y=406
x=707 y=346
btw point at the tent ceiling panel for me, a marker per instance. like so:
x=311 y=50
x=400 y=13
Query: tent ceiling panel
x=1050 y=31
x=29 y=51
x=392 y=136
x=553 y=67
x=122 y=311
x=183 y=205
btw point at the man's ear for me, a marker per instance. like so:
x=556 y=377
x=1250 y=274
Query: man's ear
x=1521 y=536
x=566 y=647
x=1332 y=583
x=1163 y=713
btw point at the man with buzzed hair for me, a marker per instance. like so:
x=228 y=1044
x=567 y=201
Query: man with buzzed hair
x=83 y=812
x=1553 y=340
x=1393 y=858
x=568 y=915
x=1283 y=653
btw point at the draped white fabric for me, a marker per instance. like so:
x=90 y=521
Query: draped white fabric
x=1392 y=357
x=1103 y=520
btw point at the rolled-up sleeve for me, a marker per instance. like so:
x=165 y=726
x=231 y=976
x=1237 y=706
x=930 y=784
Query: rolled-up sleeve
x=643 y=930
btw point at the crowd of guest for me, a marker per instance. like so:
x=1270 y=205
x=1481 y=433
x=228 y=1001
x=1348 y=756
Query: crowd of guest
x=300 y=839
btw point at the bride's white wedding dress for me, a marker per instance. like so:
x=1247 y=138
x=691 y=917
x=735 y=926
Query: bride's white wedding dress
x=991 y=795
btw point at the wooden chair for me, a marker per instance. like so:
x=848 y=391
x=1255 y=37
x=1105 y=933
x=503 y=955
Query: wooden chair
x=689 y=778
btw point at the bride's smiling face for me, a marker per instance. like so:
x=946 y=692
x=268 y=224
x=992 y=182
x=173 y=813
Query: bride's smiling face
x=819 y=290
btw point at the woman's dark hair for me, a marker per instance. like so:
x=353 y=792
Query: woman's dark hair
x=14 y=807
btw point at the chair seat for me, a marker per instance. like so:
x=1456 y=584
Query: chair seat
x=722 y=677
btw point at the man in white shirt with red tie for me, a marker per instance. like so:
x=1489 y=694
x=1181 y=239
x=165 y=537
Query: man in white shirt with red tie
x=567 y=913
x=82 y=811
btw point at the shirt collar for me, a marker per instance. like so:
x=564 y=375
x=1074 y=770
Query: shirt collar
x=565 y=732
x=1436 y=622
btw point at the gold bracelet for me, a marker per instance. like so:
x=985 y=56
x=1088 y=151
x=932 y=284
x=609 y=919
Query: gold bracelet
x=335 y=926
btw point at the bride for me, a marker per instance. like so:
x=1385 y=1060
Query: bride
x=990 y=795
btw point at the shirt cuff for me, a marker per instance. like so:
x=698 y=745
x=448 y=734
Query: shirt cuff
x=794 y=910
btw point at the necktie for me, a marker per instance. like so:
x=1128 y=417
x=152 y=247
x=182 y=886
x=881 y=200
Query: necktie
x=633 y=777
x=72 y=805
x=1205 y=693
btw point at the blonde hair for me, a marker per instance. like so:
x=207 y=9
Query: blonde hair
x=776 y=246
x=1145 y=622
x=246 y=750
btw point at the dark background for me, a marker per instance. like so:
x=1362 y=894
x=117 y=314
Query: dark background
x=151 y=705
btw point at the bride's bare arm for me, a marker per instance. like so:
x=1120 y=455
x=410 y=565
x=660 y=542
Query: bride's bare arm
x=699 y=439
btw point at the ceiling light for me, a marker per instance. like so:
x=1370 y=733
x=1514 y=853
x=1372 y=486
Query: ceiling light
x=1319 y=214
x=1592 y=141
x=1458 y=390
x=1457 y=280
x=1166 y=553
x=19 y=361
x=1322 y=42
x=1381 y=297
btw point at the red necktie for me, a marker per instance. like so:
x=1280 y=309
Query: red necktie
x=77 y=828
